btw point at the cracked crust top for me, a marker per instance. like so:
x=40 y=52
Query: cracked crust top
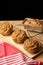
x=32 y=45
x=6 y=28
x=19 y=36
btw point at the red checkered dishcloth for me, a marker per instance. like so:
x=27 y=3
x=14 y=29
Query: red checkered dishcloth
x=10 y=55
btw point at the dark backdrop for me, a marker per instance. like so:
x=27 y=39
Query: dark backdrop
x=19 y=15
x=12 y=12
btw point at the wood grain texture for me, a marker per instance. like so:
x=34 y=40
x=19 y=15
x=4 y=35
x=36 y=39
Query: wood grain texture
x=19 y=46
x=37 y=36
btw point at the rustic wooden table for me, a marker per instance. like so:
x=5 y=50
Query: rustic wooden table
x=39 y=57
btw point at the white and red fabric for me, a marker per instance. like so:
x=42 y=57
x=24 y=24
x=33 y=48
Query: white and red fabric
x=10 y=55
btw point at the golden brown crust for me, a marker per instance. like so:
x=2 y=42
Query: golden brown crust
x=33 y=22
x=19 y=36
x=6 y=28
x=32 y=46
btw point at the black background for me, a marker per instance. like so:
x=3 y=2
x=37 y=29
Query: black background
x=12 y=11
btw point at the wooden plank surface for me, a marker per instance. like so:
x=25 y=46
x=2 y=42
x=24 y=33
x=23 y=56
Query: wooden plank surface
x=39 y=38
x=19 y=46
x=9 y=39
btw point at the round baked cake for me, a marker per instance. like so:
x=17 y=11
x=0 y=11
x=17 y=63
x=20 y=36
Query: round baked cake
x=6 y=28
x=19 y=36
x=32 y=46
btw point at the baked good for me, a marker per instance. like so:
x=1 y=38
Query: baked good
x=32 y=46
x=6 y=28
x=33 y=22
x=19 y=36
